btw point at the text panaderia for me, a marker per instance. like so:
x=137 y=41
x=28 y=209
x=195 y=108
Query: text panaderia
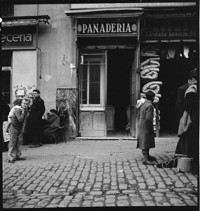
x=101 y=28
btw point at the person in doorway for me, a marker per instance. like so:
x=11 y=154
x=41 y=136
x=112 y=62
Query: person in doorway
x=146 y=135
x=188 y=142
x=51 y=124
x=191 y=106
x=141 y=100
x=187 y=145
x=16 y=132
x=34 y=121
x=181 y=93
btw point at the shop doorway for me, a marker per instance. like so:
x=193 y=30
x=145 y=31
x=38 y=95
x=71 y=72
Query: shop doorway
x=119 y=66
x=173 y=73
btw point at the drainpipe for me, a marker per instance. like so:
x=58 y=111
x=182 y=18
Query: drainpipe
x=37 y=27
x=38 y=49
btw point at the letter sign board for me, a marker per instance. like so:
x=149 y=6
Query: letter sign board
x=107 y=28
x=173 y=29
x=17 y=38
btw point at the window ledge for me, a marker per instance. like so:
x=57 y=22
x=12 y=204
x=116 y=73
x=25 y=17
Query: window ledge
x=92 y=109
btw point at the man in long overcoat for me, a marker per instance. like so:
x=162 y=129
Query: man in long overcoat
x=35 y=120
x=146 y=135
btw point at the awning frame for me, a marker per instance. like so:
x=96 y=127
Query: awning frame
x=12 y=21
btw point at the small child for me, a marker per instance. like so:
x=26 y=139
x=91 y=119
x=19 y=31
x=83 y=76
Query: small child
x=141 y=100
x=16 y=105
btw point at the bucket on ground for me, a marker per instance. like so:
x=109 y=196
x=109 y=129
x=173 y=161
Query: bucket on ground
x=184 y=164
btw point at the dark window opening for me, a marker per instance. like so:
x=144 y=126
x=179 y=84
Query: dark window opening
x=6 y=85
x=7 y=10
x=6 y=58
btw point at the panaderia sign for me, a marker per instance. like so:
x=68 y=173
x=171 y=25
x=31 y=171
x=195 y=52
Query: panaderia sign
x=107 y=28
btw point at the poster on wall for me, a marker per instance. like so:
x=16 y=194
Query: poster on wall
x=66 y=107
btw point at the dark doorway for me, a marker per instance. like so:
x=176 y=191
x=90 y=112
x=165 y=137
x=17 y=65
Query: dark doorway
x=6 y=85
x=6 y=73
x=173 y=73
x=119 y=64
x=176 y=61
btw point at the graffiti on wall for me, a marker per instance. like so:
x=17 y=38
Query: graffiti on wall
x=23 y=91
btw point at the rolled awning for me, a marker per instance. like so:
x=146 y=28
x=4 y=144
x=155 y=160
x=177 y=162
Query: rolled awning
x=24 y=20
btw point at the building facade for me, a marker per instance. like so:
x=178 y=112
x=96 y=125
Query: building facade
x=94 y=60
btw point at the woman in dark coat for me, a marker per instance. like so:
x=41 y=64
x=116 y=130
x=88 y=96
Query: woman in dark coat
x=145 y=128
x=187 y=145
x=188 y=142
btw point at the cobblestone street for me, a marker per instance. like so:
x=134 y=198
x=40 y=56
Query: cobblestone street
x=97 y=174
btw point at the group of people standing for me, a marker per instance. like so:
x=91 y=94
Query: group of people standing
x=25 y=124
x=187 y=121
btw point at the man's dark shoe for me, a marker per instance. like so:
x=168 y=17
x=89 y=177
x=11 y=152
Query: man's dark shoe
x=151 y=158
x=22 y=158
x=148 y=163
x=11 y=161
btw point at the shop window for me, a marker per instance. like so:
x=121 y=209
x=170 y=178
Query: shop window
x=91 y=80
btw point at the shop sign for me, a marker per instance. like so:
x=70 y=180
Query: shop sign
x=171 y=30
x=106 y=28
x=17 y=39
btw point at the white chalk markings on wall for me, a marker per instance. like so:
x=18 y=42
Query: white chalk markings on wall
x=23 y=91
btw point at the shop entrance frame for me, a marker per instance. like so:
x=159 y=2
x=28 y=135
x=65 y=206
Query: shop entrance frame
x=130 y=14
x=134 y=87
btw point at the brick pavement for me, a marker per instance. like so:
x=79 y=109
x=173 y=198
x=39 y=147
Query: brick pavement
x=95 y=174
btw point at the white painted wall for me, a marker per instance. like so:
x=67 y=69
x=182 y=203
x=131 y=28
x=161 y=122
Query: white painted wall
x=24 y=71
x=25 y=9
x=57 y=44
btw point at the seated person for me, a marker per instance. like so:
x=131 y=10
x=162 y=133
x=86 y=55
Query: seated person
x=50 y=124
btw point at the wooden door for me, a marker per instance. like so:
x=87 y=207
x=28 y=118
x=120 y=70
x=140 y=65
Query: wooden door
x=92 y=94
